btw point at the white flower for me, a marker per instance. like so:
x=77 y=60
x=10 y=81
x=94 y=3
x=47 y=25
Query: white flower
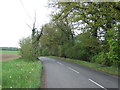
x=29 y=72
x=10 y=87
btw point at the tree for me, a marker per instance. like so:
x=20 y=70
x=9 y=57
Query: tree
x=36 y=35
x=95 y=21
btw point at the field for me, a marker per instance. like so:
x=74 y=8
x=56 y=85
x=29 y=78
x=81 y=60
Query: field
x=9 y=55
x=18 y=73
x=5 y=51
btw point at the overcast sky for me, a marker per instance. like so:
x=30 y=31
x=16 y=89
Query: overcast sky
x=13 y=18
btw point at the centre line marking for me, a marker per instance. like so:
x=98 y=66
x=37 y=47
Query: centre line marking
x=59 y=63
x=97 y=84
x=73 y=70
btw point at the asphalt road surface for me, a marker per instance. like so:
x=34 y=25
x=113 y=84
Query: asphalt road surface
x=62 y=74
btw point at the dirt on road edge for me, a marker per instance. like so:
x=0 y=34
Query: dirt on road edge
x=43 y=85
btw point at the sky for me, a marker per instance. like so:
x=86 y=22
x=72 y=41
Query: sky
x=16 y=14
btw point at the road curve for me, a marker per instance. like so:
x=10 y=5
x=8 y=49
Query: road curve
x=62 y=74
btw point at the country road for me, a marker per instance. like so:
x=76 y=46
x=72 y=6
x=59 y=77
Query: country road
x=62 y=74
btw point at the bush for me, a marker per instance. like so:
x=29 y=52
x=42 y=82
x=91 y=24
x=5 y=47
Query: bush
x=69 y=52
x=114 y=49
x=61 y=50
x=26 y=50
x=77 y=51
x=101 y=58
x=45 y=52
x=81 y=52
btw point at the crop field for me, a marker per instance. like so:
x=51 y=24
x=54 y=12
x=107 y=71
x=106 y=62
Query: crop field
x=6 y=51
x=9 y=55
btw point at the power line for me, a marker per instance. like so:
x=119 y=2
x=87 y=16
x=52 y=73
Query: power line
x=26 y=10
x=34 y=21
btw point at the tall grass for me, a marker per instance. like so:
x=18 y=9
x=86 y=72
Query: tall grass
x=0 y=75
x=21 y=74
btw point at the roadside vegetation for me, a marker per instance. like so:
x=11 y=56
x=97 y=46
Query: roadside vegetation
x=107 y=69
x=19 y=73
x=88 y=32
x=0 y=74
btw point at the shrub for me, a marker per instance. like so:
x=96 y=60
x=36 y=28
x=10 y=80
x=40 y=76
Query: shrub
x=45 y=52
x=26 y=50
x=101 y=58
x=114 y=49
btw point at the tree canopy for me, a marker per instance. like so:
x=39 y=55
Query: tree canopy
x=88 y=31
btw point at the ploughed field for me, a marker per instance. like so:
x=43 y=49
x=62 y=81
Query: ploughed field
x=9 y=56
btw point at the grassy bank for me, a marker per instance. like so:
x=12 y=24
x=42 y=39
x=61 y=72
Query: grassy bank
x=21 y=74
x=110 y=70
x=0 y=75
x=5 y=51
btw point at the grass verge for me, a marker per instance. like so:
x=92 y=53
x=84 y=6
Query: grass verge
x=21 y=74
x=5 y=51
x=110 y=70
x=0 y=75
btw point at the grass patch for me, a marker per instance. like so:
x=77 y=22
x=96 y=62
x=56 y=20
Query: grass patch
x=0 y=75
x=5 y=51
x=21 y=74
x=110 y=70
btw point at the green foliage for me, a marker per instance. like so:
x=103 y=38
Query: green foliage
x=99 y=27
x=45 y=52
x=101 y=58
x=113 y=54
x=81 y=52
x=77 y=51
x=60 y=51
x=26 y=50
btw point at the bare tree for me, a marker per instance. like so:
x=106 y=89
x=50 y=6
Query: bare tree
x=36 y=35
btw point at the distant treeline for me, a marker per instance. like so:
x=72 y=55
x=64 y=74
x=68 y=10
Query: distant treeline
x=9 y=48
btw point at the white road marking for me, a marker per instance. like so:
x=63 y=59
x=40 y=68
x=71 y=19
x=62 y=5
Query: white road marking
x=73 y=70
x=97 y=84
x=59 y=63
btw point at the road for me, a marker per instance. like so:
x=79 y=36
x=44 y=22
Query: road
x=62 y=74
